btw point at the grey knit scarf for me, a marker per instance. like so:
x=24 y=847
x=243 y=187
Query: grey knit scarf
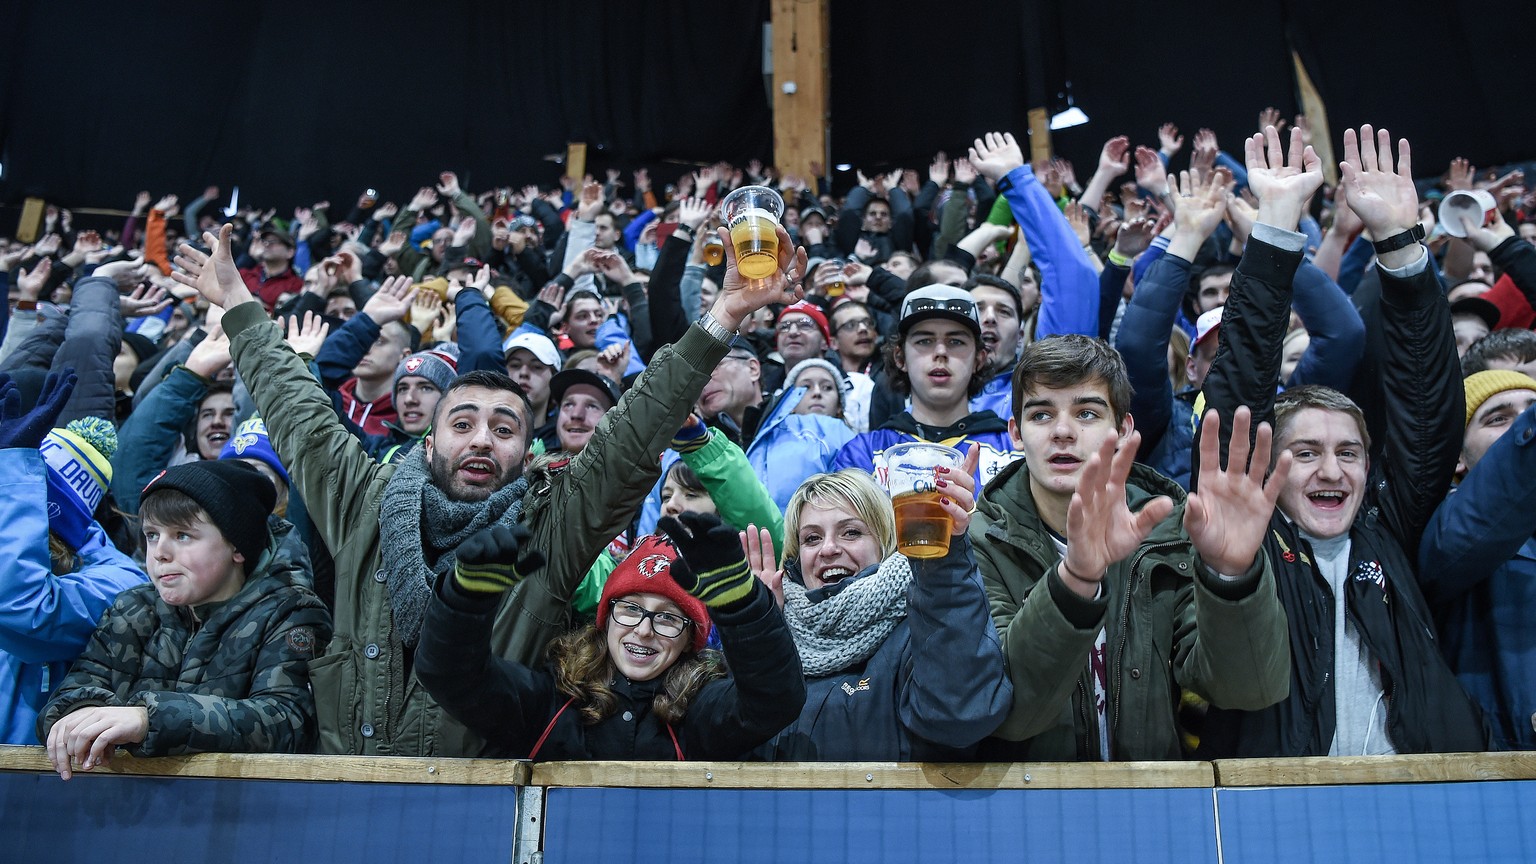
x=419 y=529
x=851 y=625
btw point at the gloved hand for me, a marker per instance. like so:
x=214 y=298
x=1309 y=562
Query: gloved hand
x=692 y=436
x=715 y=567
x=488 y=562
x=28 y=430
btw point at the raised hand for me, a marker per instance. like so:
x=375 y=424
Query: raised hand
x=938 y=172
x=1384 y=199
x=1228 y=518
x=590 y=203
x=1114 y=158
x=996 y=154
x=1101 y=528
x=614 y=268
x=392 y=302
x=1169 y=140
x=1077 y=217
x=384 y=211
x=1200 y=208
x=306 y=337
x=613 y=360
x=1203 y=158
x=443 y=330
x=29 y=283
x=448 y=184
x=141 y=202
x=212 y=354
x=1284 y=182
x=144 y=300
x=957 y=490
x=464 y=232
x=1149 y=172
x=494 y=559
x=212 y=274
x=1135 y=236
x=392 y=246
x=424 y=199
x=740 y=297
x=1271 y=117
x=425 y=308
x=692 y=212
x=715 y=567
x=28 y=430
x=167 y=205
x=758 y=545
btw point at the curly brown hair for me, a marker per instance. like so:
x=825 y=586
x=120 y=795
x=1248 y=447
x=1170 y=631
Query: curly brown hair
x=583 y=669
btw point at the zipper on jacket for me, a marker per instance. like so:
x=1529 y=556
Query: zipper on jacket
x=1082 y=713
x=1125 y=620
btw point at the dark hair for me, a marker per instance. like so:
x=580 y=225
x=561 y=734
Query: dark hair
x=189 y=432
x=1064 y=361
x=1517 y=344
x=923 y=276
x=490 y=380
x=683 y=475
x=850 y=304
x=412 y=335
x=172 y=508
x=1000 y=284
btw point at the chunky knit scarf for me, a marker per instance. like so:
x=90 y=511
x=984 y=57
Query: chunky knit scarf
x=849 y=626
x=420 y=528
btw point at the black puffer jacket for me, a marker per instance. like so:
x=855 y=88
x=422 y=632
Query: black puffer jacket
x=1427 y=711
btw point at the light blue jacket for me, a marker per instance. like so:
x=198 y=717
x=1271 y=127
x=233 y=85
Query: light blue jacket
x=790 y=447
x=45 y=619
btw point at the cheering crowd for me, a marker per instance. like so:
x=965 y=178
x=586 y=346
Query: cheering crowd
x=538 y=473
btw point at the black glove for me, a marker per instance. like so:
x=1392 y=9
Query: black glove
x=715 y=566
x=488 y=562
x=28 y=430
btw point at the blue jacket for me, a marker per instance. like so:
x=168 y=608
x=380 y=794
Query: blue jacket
x=996 y=395
x=867 y=449
x=790 y=447
x=933 y=689
x=1477 y=566
x=1069 y=285
x=147 y=441
x=45 y=619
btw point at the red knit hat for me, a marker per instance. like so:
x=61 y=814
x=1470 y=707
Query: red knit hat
x=647 y=570
x=805 y=307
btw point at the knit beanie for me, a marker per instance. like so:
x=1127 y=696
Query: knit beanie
x=436 y=366
x=250 y=441
x=1484 y=385
x=142 y=347
x=811 y=310
x=647 y=570
x=237 y=498
x=844 y=386
x=79 y=461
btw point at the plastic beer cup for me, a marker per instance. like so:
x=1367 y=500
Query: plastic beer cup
x=752 y=214
x=922 y=525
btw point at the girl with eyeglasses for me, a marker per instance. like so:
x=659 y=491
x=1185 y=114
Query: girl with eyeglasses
x=639 y=684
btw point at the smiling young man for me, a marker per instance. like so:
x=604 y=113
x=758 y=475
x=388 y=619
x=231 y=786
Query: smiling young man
x=581 y=399
x=1477 y=561
x=1368 y=677
x=395 y=529
x=1105 y=605
x=937 y=359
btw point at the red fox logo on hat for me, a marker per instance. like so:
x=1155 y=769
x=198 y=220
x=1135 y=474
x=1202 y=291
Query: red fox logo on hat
x=653 y=565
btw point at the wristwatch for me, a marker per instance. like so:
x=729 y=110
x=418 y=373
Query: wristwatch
x=1398 y=241
x=716 y=329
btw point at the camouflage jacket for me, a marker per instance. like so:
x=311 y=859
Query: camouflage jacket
x=237 y=682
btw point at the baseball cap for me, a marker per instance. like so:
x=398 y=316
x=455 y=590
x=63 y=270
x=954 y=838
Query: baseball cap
x=1206 y=325
x=536 y=344
x=939 y=301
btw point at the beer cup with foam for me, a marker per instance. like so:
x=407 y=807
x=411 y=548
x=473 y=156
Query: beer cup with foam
x=922 y=525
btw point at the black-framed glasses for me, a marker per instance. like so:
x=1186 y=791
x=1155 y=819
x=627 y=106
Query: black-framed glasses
x=664 y=623
x=856 y=324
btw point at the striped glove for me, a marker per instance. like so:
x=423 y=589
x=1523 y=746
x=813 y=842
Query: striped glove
x=692 y=436
x=488 y=562
x=715 y=567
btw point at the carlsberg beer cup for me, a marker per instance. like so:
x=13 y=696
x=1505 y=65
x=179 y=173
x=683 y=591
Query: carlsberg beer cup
x=922 y=526
x=752 y=215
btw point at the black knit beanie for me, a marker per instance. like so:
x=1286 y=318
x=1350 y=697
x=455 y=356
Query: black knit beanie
x=237 y=497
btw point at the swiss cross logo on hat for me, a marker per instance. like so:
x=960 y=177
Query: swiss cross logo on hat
x=414 y=363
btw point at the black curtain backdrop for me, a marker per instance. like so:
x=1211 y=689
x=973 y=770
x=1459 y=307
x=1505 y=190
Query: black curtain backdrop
x=296 y=101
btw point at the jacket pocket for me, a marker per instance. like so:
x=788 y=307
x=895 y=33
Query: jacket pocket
x=334 y=680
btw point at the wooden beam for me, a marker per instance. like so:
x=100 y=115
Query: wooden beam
x=1039 y=135
x=800 y=38
x=1346 y=770
x=876 y=775
x=265 y=766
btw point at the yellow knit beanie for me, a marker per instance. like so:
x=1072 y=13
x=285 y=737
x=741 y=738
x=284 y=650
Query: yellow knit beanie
x=1483 y=385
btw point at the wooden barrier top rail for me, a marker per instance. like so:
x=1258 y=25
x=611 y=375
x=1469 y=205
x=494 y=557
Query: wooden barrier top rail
x=1428 y=768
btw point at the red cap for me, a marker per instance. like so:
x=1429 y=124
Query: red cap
x=647 y=570
x=805 y=307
